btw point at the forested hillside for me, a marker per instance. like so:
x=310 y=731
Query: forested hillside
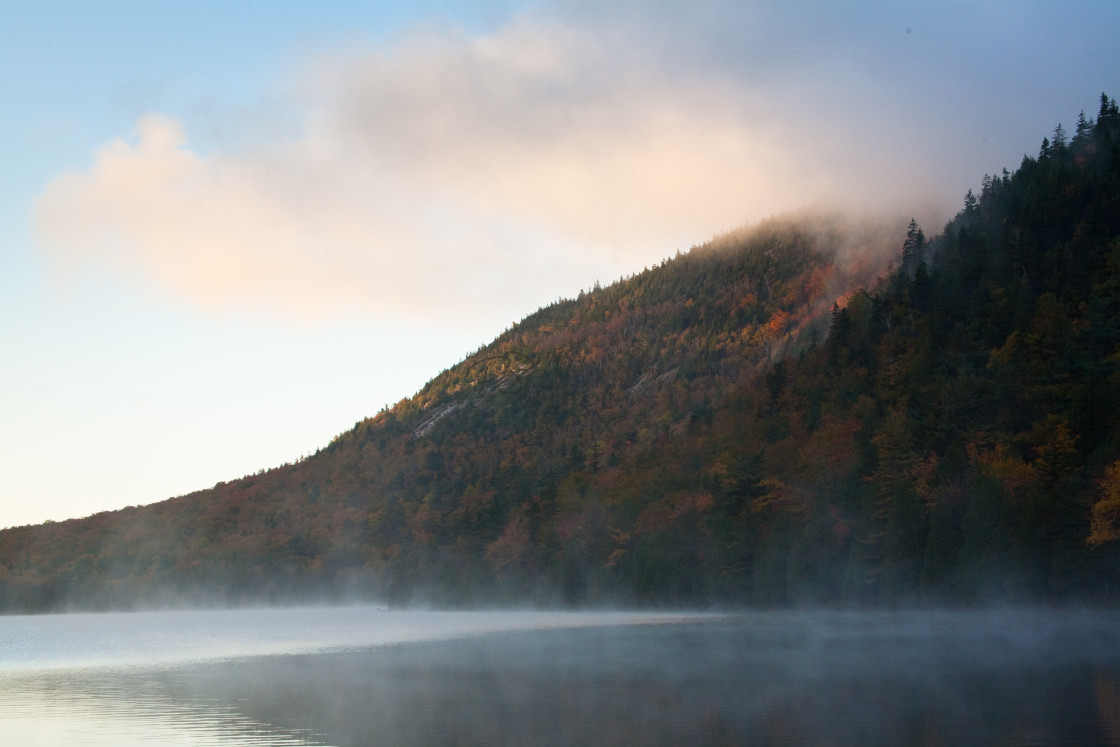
x=774 y=417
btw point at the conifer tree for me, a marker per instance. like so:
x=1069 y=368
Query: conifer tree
x=1084 y=128
x=913 y=248
x=1059 y=141
x=1109 y=111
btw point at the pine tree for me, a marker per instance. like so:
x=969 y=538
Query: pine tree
x=913 y=248
x=1084 y=128
x=1109 y=111
x=1059 y=140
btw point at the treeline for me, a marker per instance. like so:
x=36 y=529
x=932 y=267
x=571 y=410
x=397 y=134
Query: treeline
x=736 y=426
x=955 y=438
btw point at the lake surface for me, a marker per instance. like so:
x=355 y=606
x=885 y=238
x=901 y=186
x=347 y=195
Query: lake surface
x=365 y=676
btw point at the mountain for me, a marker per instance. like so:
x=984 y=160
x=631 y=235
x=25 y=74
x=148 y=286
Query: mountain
x=774 y=417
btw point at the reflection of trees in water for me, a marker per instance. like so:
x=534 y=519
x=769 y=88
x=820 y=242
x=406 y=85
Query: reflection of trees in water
x=682 y=685
x=766 y=678
x=1108 y=703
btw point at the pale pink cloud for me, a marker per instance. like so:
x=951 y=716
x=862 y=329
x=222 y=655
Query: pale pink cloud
x=444 y=173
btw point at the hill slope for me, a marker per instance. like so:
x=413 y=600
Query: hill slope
x=690 y=435
x=497 y=478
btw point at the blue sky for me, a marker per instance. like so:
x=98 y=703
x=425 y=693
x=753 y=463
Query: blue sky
x=229 y=230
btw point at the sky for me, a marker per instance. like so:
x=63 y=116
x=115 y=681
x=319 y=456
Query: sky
x=230 y=229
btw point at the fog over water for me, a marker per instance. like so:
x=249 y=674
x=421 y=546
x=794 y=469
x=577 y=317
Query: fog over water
x=80 y=640
x=359 y=675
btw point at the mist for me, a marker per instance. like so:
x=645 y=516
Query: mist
x=413 y=186
x=459 y=176
x=1043 y=675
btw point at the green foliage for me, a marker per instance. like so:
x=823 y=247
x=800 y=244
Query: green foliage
x=770 y=418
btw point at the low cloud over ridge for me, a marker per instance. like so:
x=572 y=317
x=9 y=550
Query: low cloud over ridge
x=480 y=174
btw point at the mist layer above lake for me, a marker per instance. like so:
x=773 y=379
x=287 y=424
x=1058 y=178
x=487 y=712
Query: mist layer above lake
x=33 y=642
x=359 y=676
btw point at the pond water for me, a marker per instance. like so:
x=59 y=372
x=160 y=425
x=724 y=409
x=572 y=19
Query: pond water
x=365 y=676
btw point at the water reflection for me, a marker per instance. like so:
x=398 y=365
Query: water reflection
x=126 y=708
x=793 y=678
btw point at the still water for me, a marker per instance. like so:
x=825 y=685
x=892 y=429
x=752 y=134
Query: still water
x=366 y=676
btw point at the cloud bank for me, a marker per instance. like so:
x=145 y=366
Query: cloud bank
x=488 y=174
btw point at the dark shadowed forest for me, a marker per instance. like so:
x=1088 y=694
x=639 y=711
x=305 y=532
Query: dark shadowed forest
x=787 y=414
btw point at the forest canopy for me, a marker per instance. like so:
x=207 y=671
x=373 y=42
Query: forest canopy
x=778 y=416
